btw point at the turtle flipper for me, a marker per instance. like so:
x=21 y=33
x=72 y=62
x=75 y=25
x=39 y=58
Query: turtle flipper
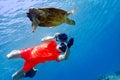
x=34 y=24
x=34 y=27
x=71 y=11
x=69 y=21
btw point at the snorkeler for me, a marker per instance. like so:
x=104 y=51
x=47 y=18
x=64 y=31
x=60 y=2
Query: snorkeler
x=47 y=51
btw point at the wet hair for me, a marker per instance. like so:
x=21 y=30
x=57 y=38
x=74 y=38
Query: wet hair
x=62 y=37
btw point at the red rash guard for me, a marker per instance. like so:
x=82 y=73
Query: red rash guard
x=39 y=54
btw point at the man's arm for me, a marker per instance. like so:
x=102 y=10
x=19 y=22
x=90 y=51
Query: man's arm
x=47 y=39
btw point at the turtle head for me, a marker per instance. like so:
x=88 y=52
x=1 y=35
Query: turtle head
x=31 y=13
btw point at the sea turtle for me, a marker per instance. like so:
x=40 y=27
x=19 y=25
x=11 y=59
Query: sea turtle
x=49 y=17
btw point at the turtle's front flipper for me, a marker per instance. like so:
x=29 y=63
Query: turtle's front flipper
x=34 y=24
x=34 y=27
x=69 y=21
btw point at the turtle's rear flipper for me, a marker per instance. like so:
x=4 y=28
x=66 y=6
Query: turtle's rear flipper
x=69 y=21
x=72 y=11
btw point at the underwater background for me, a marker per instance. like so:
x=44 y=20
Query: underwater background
x=96 y=50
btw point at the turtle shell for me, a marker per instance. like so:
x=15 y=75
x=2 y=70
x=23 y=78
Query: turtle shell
x=50 y=17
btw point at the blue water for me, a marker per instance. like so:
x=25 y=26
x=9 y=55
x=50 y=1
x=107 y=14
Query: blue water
x=96 y=50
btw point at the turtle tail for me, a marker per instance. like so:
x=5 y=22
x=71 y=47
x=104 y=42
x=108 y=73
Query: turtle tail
x=69 y=21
